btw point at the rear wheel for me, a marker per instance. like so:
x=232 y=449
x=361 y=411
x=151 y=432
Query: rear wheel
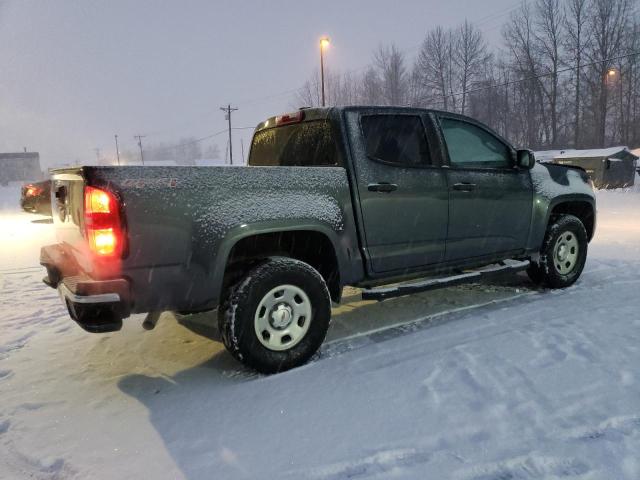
x=276 y=317
x=563 y=254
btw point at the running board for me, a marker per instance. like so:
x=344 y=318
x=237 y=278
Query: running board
x=510 y=266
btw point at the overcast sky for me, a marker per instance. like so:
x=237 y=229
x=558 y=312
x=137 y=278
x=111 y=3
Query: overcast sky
x=74 y=73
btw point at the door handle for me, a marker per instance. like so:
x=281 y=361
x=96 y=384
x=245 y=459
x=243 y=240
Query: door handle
x=464 y=187
x=382 y=187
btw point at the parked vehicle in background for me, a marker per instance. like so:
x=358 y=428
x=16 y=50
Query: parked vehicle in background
x=361 y=196
x=36 y=197
x=613 y=167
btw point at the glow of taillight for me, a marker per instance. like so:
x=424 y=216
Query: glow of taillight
x=97 y=201
x=32 y=191
x=102 y=222
x=287 y=118
x=103 y=241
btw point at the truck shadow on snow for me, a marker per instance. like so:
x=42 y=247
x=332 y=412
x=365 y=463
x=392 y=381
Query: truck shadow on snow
x=203 y=417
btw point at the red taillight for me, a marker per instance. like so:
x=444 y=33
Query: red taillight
x=32 y=191
x=293 y=117
x=102 y=225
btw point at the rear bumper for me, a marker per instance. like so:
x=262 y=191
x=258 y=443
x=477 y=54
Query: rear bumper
x=36 y=205
x=96 y=305
x=28 y=204
x=68 y=295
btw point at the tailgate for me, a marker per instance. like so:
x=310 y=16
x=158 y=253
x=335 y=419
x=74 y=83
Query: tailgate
x=67 y=206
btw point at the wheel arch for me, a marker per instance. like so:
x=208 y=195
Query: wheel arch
x=544 y=210
x=315 y=244
x=582 y=208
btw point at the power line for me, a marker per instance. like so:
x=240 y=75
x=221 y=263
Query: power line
x=198 y=140
x=190 y=142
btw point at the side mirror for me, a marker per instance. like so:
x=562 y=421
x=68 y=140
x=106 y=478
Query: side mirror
x=525 y=159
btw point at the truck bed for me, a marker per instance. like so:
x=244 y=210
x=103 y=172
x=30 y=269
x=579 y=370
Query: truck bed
x=179 y=219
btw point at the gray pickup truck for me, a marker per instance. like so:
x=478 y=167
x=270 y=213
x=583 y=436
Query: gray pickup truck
x=392 y=200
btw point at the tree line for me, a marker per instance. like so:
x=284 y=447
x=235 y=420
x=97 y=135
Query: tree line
x=565 y=75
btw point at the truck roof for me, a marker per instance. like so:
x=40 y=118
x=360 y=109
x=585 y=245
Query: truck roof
x=320 y=113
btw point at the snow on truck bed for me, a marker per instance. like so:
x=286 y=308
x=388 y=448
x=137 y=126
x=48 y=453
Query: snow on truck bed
x=495 y=381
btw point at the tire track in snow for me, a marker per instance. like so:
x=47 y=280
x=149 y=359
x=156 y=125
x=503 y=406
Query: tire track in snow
x=382 y=334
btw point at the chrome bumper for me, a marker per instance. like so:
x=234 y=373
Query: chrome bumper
x=67 y=294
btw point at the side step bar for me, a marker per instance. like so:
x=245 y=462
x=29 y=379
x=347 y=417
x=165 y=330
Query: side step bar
x=510 y=266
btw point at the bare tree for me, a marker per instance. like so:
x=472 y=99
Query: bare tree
x=212 y=152
x=548 y=87
x=608 y=20
x=389 y=62
x=309 y=94
x=433 y=66
x=519 y=37
x=370 y=90
x=550 y=36
x=470 y=56
x=576 y=40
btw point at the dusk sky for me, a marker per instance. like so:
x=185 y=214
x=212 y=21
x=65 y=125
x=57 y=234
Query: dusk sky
x=74 y=73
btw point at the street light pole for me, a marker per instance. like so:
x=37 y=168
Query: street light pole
x=324 y=42
x=117 y=149
x=139 y=138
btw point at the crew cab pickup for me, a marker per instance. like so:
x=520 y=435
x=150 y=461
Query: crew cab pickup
x=392 y=200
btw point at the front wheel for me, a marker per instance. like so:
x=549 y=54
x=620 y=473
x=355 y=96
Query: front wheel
x=277 y=316
x=563 y=253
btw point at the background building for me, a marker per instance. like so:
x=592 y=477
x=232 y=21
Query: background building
x=20 y=167
x=613 y=167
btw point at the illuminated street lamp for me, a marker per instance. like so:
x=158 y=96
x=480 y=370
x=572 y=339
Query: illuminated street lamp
x=324 y=43
x=611 y=76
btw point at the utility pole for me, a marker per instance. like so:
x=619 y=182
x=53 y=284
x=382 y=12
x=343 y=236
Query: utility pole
x=117 y=149
x=228 y=109
x=97 y=150
x=140 y=137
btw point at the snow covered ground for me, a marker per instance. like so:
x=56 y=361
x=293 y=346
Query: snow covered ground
x=481 y=382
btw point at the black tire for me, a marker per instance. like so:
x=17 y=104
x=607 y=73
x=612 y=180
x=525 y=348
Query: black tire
x=535 y=273
x=237 y=315
x=550 y=270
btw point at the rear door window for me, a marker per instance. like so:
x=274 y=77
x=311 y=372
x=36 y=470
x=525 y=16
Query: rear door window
x=397 y=139
x=303 y=144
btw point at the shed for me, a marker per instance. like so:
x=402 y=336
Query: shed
x=636 y=152
x=612 y=167
x=20 y=167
